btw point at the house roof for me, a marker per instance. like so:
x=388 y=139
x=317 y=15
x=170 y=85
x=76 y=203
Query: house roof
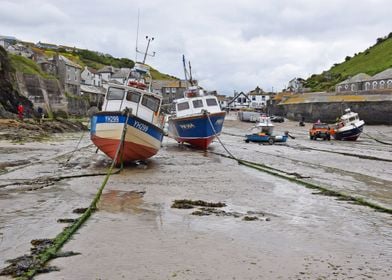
x=386 y=74
x=158 y=84
x=238 y=95
x=123 y=73
x=355 y=79
x=10 y=38
x=92 y=70
x=47 y=44
x=107 y=69
x=256 y=91
x=91 y=89
x=69 y=62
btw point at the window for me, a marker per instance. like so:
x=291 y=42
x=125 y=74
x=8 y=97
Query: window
x=197 y=103
x=382 y=84
x=173 y=90
x=151 y=102
x=253 y=98
x=211 y=102
x=183 y=106
x=69 y=78
x=115 y=94
x=167 y=90
x=389 y=84
x=374 y=85
x=133 y=96
x=263 y=97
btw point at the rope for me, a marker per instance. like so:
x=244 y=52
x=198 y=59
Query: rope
x=285 y=175
x=217 y=137
x=375 y=139
x=371 y=137
x=50 y=252
x=77 y=146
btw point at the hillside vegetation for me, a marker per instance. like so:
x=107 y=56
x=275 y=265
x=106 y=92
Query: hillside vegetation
x=27 y=66
x=371 y=61
x=97 y=60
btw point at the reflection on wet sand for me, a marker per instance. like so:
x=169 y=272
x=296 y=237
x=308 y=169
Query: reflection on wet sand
x=121 y=201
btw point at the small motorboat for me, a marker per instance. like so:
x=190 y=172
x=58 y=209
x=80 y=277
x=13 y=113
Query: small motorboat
x=349 y=127
x=263 y=132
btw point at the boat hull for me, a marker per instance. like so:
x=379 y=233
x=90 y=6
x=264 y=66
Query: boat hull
x=350 y=133
x=255 y=137
x=142 y=139
x=196 y=130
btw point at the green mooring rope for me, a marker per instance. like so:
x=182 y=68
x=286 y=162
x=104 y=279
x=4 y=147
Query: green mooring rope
x=281 y=174
x=50 y=252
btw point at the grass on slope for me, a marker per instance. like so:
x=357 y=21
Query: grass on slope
x=27 y=66
x=372 y=61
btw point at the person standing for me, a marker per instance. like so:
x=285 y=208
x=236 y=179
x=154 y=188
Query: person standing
x=20 y=111
x=41 y=115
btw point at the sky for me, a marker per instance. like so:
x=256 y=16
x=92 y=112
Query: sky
x=233 y=46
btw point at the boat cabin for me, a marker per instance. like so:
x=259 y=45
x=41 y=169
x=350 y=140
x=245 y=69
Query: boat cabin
x=145 y=105
x=348 y=118
x=265 y=126
x=195 y=105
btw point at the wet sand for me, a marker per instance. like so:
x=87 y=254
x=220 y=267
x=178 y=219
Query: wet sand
x=137 y=235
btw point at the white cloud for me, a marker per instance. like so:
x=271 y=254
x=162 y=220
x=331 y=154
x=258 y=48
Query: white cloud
x=233 y=45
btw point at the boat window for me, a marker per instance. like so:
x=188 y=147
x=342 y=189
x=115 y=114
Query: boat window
x=211 y=102
x=183 y=106
x=197 y=103
x=352 y=119
x=151 y=102
x=133 y=96
x=115 y=94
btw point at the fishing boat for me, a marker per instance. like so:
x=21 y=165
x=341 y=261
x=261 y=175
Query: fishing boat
x=197 y=117
x=349 y=127
x=131 y=117
x=263 y=132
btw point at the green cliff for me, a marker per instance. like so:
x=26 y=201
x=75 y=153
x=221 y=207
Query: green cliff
x=373 y=60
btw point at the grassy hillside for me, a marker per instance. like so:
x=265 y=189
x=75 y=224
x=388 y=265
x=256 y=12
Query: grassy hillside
x=373 y=60
x=97 y=61
x=27 y=66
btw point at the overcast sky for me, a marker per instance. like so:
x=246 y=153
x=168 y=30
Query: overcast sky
x=232 y=45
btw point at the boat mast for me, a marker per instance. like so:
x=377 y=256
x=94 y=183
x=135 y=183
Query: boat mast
x=190 y=74
x=184 y=65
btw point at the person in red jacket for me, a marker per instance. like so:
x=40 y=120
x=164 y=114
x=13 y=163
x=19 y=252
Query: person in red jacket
x=20 y=111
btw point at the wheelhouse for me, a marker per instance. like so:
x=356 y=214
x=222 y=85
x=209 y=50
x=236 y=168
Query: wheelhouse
x=350 y=118
x=144 y=105
x=195 y=105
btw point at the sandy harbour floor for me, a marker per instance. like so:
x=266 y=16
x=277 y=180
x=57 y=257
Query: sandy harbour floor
x=136 y=234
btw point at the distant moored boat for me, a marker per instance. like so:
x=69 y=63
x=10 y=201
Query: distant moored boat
x=349 y=127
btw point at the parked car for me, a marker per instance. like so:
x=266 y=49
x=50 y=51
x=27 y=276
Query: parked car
x=276 y=118
x=320 y=130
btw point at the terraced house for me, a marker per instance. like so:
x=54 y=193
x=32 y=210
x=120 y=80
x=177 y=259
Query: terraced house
x=364 y=82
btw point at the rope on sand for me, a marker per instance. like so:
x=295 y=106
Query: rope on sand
x=50 y=252
x=286 y=175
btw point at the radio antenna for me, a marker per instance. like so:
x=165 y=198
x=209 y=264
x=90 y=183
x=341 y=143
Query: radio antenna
x=137 y=33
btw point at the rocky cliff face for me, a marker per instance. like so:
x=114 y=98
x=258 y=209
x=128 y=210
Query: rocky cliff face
x=9 y=95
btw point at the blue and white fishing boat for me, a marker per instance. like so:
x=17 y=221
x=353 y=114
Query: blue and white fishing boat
x=198 y=118
x=349 y=127
x=134 y=109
